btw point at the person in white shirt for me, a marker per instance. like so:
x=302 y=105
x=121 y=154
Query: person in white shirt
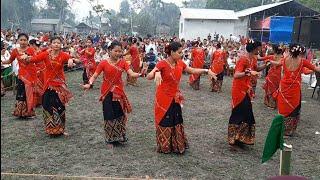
x=5 y=55
x=149 y=45
x=15 y=65
x=98 y=55
x=186 y=57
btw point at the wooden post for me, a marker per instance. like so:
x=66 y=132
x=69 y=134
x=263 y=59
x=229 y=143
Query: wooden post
x=285 y=159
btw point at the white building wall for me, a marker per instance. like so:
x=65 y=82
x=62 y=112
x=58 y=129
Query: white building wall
x=241 y=26
x=193 y=28
x=42 y=27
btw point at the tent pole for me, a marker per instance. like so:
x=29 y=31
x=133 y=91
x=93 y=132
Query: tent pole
x=264 y=13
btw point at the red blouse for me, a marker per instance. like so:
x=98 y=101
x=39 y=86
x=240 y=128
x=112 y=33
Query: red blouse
x=89 y=57
x=112 y=76
x=289 y=93
x=135 y=62
x=198 y=56
x=54 y=68
x=241 y=86
x=112 y=82
x=168 y=90
x=273 y=78
x=218 y=61
x=27 y=71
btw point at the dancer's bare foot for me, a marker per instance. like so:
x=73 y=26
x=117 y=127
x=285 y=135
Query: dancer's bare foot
x=234 y=147
x=66 y=134
x=109 y=146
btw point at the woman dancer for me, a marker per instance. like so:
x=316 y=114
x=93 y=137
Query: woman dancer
x=289 y=92
x=135 y=59
x=56 y=95
x=115 y=103
x=241 y=128
x=88 y=61
x=273 y=78
x=218 y=63
x=168 y=100
x=197 y=58
x=27 y=89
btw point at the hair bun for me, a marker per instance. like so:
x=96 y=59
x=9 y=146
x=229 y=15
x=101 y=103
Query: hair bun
x=250 y=41
x=296 y=49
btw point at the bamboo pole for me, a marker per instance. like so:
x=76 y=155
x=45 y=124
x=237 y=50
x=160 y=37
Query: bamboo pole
x=285 y=160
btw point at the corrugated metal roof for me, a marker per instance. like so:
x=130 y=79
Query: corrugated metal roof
x=44 y=21
x=190 y=13
x=49 y=21
x=253 y=10
x=67 y=25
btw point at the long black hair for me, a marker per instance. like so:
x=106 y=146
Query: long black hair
x=296 y=49
x=173 y=46
x=252 y=45
x=277 y=49
x=54 y=38
x=23 y=34
x=132 y=40
x=113 y=44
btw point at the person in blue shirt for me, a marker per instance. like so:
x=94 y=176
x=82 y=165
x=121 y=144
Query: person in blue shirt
x=96 y=38
x=151 y=59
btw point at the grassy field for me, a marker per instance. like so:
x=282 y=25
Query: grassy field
x=25 y=148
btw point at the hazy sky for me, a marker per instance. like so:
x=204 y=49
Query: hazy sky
x=81 y=8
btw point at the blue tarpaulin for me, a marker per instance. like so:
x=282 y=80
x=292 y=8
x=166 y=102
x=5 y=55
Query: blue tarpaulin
x=281 y=28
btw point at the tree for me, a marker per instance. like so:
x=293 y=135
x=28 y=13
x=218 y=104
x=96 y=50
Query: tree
x=125 y=9
x=17 y=13
x=138 y=4
x=170 y=15
x=98 y=9
x=155 y=13
x=144 y=23
x=57 y=9
x=313 y=4
x=236 y=5
x=54 y=10
x=185 y=4
x=197 y=3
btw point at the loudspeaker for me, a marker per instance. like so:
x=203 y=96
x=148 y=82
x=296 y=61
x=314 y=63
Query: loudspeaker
x=306 y=31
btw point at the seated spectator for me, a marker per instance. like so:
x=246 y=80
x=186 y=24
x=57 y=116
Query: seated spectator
x=151 y=59
x=231 y=63
x=186 y=57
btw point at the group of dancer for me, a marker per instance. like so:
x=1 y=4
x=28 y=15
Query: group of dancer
x=170 y=135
